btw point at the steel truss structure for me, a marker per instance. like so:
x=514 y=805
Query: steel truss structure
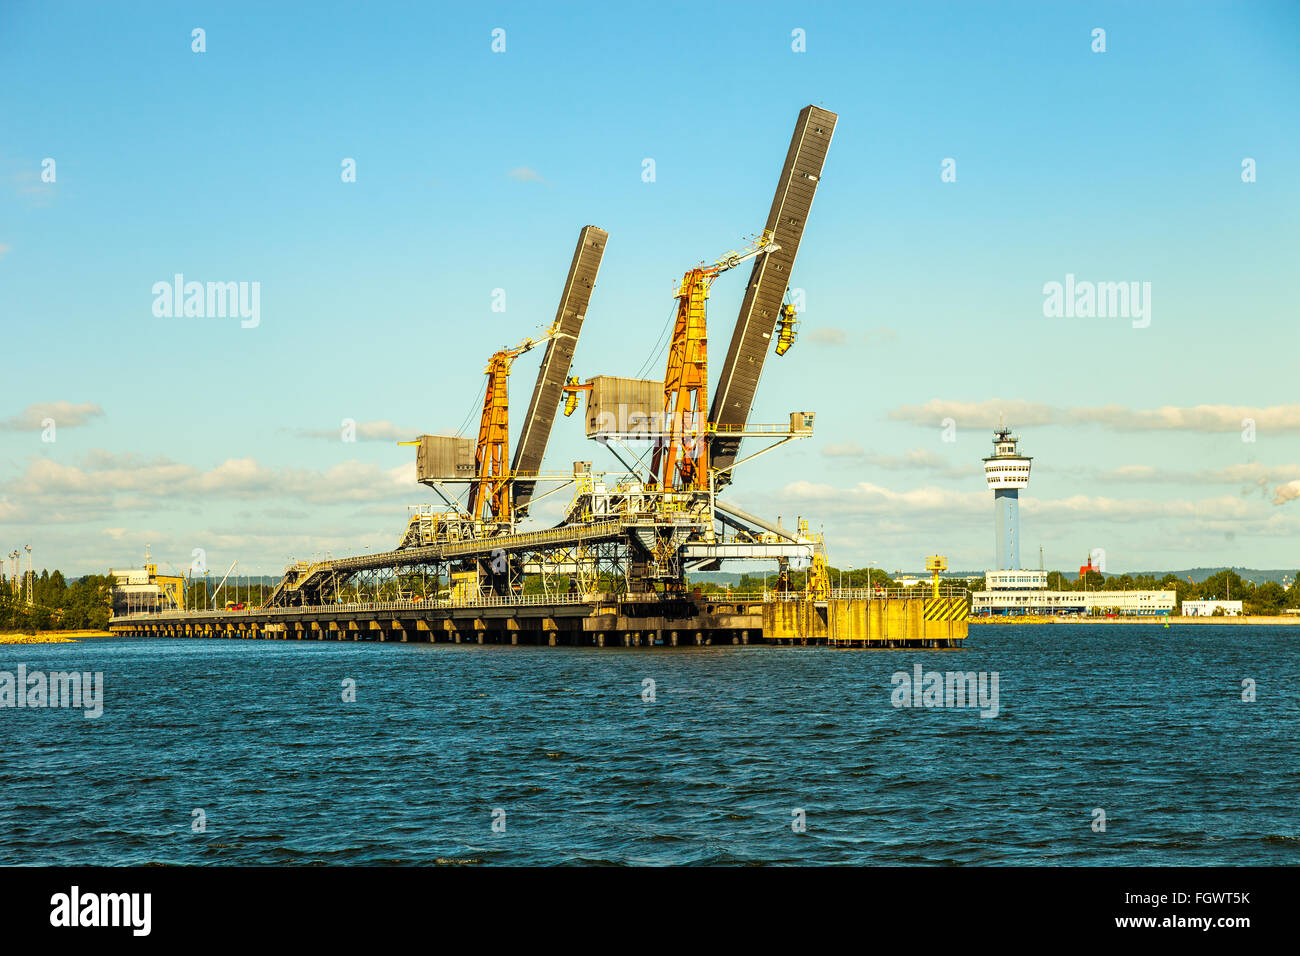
x=634 y=534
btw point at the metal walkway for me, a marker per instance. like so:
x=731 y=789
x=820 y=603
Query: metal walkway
x=307 y=575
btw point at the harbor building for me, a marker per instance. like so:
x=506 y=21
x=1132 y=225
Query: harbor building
x=1026 y=593
x=145 y=591
x=1012 y=590
x=1006 y=471
x=1211 y=608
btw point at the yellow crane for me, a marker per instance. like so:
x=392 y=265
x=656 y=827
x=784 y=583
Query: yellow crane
x=489 y=495
x=681 y=457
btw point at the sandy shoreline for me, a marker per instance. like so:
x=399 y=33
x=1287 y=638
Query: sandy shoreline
x=50 y=637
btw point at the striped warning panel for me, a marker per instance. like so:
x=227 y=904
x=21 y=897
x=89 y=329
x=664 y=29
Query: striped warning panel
x=945 y=609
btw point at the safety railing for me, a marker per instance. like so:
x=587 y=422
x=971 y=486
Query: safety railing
x=759 y=429
x=537 y=600
x=494 y=600
x=872 y=594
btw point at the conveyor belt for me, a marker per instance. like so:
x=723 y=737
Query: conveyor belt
x=761 y=307
x=474 y=547
x=557 y=361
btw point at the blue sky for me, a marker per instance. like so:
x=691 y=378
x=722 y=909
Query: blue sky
x=475 y=171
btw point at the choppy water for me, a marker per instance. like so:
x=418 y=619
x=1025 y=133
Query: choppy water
x=1144 y=722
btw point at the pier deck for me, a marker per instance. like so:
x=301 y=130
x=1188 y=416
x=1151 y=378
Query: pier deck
x=591 y=620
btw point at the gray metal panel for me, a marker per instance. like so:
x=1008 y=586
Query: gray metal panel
x=557 y=361
x=767 y=283
x=623 y=405
x=444 y=458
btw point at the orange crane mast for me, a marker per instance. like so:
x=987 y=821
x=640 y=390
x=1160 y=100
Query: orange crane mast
x=489 y=497
x=681 y=456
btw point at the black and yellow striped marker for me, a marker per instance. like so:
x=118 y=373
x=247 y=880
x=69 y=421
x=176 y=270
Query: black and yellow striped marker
x=945 y=609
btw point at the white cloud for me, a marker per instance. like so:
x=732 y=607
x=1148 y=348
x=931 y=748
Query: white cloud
x=365 y=431
x=1253 y=474
x=986 y=414
x=868 y=498
x=1287 y=492
x=64 y=414
x=1017 y=412
x=51 y=491
x=523 y=174
x=1199 y=418
x=1097 y=508
x=914 y=459
x=897 y=528
x=922 y=459
x=844 y=449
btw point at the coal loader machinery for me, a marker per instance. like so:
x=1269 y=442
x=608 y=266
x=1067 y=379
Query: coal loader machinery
x=616 y=566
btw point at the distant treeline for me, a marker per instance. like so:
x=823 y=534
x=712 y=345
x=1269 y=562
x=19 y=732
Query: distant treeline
x=1267 y=598
x=55 y=604
x=84 y=603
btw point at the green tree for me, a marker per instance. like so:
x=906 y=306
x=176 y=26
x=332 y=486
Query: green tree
x=1093 y=581
x=1293 y=592
x=1268 y=598
x=1225 y=585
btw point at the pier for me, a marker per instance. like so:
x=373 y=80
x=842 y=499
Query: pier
x=616 y=570
x=844 y=619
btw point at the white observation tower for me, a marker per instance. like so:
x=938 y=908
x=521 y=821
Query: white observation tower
x=1007 y=471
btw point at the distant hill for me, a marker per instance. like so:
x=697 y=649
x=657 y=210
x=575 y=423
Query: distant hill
x=1198 y=575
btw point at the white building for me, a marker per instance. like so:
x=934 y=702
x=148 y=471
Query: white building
x=1014 y=580
x=1207 y=608
x=1012 y=590
x=1025 y=592
x=1077 y=603
x=144 y=590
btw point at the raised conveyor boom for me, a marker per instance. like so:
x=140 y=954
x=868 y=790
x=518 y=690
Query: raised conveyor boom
x=761 y=307
x=555 y=364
